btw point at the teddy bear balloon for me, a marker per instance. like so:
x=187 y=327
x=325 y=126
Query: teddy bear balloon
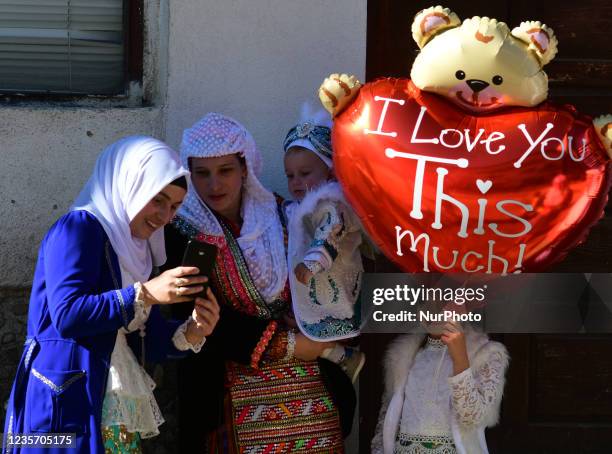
x=466 y=167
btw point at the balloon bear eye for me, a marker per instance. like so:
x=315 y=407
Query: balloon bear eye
x=497 y=80
x=460 y=75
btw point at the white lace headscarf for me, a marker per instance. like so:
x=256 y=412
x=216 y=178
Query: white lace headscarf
x=261 y=235
x=126 y=176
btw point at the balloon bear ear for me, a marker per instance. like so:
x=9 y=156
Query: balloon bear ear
x=431 y=21
x=540 y=38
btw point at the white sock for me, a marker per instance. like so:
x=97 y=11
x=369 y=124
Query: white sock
x=335 y=354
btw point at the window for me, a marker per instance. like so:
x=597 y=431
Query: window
x=69 y=46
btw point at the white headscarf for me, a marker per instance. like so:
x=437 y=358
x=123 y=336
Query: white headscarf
x=126 y=176
x=261 y=236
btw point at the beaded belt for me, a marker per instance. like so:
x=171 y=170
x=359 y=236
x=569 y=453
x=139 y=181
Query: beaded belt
x=424 y=444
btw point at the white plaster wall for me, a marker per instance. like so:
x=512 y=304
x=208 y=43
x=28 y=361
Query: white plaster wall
x=257 y=61
x=46 y=155
x=47 y=150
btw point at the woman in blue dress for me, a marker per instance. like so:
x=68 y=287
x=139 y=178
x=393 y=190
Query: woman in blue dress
x=93 y=309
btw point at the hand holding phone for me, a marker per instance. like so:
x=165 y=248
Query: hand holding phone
x=203 y=256
x=205 y=315
x=174 y=286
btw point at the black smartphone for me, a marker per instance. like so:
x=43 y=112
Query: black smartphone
x=202 y=256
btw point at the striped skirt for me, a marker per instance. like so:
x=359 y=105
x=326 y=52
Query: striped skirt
x=279 y=408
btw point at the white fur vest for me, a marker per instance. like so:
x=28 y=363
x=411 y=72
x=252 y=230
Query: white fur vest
x=323 y=225
x=397 y=364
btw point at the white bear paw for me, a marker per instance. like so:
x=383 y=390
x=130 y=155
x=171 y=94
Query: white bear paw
x=603 y=126
x=337 y=91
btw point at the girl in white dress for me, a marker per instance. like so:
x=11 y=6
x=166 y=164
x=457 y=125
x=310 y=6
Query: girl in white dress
x=441 y=391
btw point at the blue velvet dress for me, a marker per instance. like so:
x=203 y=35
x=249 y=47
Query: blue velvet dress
x=76 y=307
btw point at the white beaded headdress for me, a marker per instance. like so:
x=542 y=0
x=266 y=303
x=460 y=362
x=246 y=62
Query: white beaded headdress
x=261 y=236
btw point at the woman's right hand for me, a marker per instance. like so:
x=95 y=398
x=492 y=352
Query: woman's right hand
x=307 y=349
x=174 y=286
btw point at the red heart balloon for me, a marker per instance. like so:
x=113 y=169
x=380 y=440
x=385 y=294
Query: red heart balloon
x=441 y=189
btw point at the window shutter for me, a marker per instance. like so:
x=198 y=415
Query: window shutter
x=62 y=46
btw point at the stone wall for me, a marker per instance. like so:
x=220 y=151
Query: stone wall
x=13 y=327
x=13 y=319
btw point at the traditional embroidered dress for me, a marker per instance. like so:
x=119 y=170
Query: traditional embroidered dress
x=270 y=401
x=325 y=235
x=118 y=440
x=426 y=410
x=283 y=405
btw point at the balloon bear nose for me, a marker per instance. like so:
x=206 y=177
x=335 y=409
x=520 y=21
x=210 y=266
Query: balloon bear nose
x=477 y=85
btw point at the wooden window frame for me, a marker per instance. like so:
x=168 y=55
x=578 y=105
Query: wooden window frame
x=134 y=40
x=133 y=64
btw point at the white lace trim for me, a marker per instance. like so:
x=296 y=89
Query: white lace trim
x=435 y=343
x=129 y=398
x=472 y=395
x=141 y=310
x=313 y=266
x=290 y=345
x=180 y=340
